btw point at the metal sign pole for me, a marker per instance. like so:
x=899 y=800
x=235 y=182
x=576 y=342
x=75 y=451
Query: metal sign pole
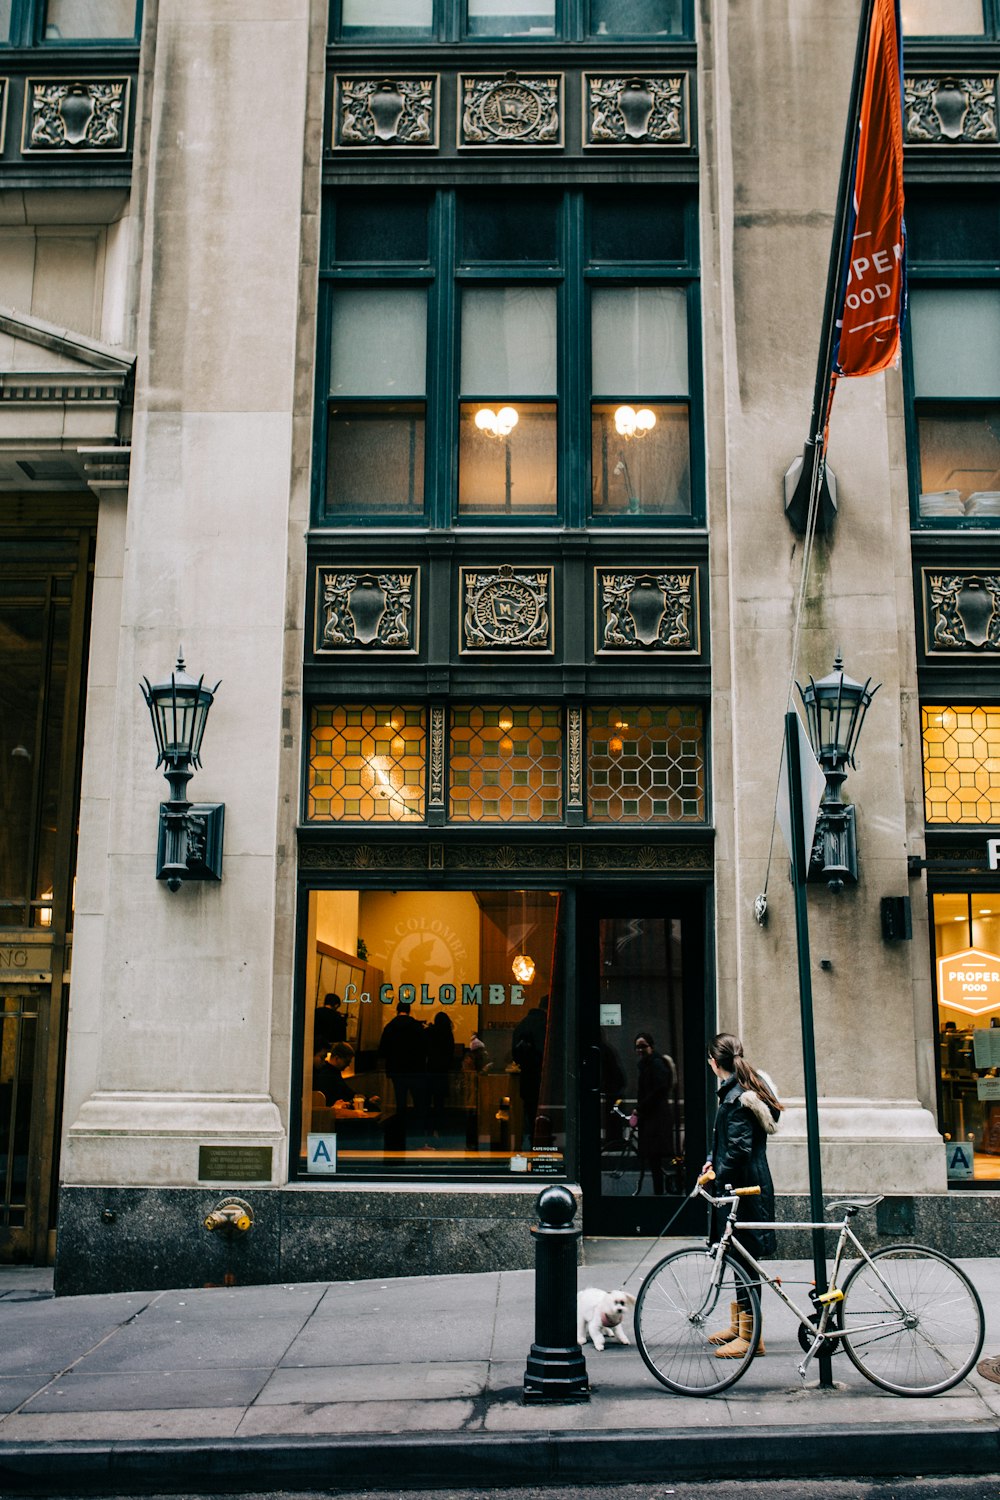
x=799 y=872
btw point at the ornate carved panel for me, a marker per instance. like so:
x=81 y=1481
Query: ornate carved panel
x=437 y=755
x=961 y=612
x=506 y=609
x=373 y=113
x=621 y=109
x=512 y=109
x=944 y=110
x=4 y=92
x=655 y=611
x=499 y=858
x=574 y=727
x=370 y=611
x=647 y=857
x=355 y=857
x=75 y=116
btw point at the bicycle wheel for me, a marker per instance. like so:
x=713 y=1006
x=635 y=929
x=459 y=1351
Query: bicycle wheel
x=913 y=1321
x=676 y=1310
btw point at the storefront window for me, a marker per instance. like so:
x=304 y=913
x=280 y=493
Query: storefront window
x=367 y=764
x=645 y=764
x=961 y=764
x=434 y=1037
x=506 y=765
x=967 y=953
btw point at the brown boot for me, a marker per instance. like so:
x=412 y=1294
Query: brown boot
x=725 y=1334
x=738 y=1346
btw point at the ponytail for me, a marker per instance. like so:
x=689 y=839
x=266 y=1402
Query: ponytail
x=727 y=1050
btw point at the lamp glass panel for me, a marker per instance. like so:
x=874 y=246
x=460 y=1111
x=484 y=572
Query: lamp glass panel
x=359 y=18
x=90 y=20
x=509 y=341
x=378 y=342
x=942 y=17
x=956 y=341
x=639 y=341
x=511 y=17
x=636 y=17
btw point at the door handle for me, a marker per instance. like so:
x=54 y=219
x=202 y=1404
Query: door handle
x=590 y=1069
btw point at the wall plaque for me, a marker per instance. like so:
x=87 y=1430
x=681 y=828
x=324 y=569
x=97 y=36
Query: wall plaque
x=234 y=1163
x=512 y=109
x=373 y=113
x=942 y=110
x=620 y=109
x=75 y=116
x=25 y=957
x=506 y=609
x=640 y=610
x=961 y=612
x=366 y=610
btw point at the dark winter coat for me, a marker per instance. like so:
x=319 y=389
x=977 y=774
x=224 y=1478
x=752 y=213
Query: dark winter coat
x=402 y=1046
x=739 y=1159
x=654 y=1106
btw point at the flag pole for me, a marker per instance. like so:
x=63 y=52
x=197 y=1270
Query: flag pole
x=811 y=486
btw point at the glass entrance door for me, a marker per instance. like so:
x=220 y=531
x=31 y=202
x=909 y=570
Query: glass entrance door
x=643 y=1033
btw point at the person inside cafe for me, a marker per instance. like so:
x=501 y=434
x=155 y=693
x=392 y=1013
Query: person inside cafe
x=328 y=1072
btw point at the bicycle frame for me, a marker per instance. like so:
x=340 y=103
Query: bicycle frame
x=819 y=1331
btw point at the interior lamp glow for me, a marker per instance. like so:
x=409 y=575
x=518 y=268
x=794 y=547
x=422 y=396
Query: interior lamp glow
x=632 y=423
x=523 y=965
x=496 y=423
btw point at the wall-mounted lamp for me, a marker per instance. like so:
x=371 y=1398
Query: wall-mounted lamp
x=835 y=711
x=190 y=839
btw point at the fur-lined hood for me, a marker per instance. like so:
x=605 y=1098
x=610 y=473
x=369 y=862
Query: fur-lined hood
x=761 y=1112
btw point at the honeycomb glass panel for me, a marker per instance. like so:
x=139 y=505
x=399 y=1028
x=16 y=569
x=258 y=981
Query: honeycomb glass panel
x=506 y=765
x=367 y=764
x=961 y=764
x=645 y=764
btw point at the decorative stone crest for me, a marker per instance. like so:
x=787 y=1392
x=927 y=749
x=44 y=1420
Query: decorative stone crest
x=961 y=612
x=75 y=116
x=366 y=611
x=379 y=112
x=512 y=110
x=505 y=610
x=620 y=110
x=945 y=110
x=655 y=611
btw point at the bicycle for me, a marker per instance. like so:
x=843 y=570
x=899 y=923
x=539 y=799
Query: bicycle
x=909 y=1319
x=623 y=1155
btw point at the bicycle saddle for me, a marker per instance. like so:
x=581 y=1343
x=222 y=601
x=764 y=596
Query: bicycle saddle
x=854 y=1205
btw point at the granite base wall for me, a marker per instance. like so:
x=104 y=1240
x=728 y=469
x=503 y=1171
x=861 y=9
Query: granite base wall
x=142 y=1239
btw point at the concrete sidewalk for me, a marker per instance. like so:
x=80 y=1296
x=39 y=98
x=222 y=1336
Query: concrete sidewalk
x=419 y=1380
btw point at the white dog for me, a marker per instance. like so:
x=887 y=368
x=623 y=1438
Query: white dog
x=600 y=1312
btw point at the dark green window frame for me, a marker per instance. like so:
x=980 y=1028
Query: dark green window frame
x=575 y=21
x=967 y=263
x=573 y=274
x=27 y=24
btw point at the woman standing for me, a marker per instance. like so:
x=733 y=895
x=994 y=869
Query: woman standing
x=653 y=1109
x=749 y=1111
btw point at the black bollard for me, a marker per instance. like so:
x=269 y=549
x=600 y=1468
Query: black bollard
x=556 y=1369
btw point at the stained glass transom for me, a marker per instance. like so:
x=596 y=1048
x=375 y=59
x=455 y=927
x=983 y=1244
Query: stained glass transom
x=367 y=763
x=645 y=764
x=961 y=764
x=506 y=765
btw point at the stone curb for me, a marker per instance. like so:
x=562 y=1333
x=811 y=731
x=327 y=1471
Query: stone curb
x=249 y=1465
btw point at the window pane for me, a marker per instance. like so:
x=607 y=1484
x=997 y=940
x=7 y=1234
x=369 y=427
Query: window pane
x=645 y=764
x=956 y=342
x=506 y=765
x=638 y=228
x=22 y=675
x=961 y=764
x=472 y=1082
x=507 y=472
x=646 y=474
x=78 y=20
x=377 y=227
x=959 y=459
x=639 y=341
x=512 y=17
x=957 y=227
x=509 y=342
x=509 y=227
x=359 y=18
x=636 y=17
x=367 y=764
x=375 y=458
x=942 y=17
x=378 y=343
x=5 y=9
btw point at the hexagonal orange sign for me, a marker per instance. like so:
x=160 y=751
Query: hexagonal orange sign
x=969 y=981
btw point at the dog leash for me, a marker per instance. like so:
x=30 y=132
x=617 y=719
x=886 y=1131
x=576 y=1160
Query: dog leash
x=668 y=1226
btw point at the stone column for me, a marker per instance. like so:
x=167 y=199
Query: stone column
x=173 y=994
x=774 y=88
